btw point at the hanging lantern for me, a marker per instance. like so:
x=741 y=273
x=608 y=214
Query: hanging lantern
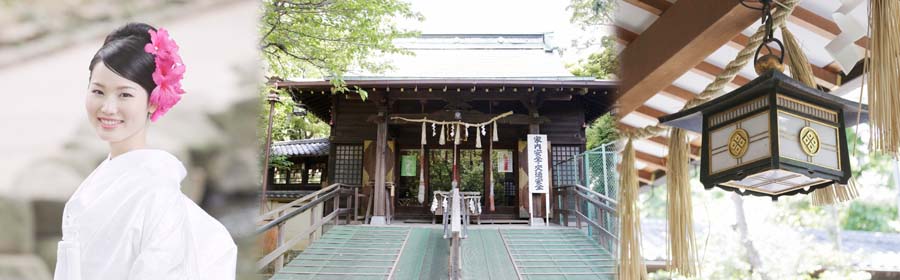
x=773 y=136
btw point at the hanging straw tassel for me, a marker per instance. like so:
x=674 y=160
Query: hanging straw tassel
x=494 y=137
x=682 y=243
x=442 y=141
x=884 y=75
x=801 y=70
x=424 y=134
x=477 y=137
x=490 y=169
x=631 y=263
x=421 y=196
x=456 y=136
x=835 y=193
x=467 y=132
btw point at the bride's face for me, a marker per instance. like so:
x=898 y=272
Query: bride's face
x=116 y=107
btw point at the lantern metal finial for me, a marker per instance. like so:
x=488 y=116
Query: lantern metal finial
x=768 y=62
x=771 y=60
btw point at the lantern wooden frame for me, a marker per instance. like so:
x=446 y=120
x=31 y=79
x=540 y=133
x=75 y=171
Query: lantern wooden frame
x=759 y=124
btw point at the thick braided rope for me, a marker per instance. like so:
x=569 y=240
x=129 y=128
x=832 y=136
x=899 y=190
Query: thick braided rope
x=731 y=70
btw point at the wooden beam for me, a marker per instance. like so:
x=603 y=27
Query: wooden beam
x=651 y=160
x=645 y=177
x=683 y=94
x=820 y=25
x=704 y=68
x=695 y=148
x=709 y=70
x=801 y=16
x=653 y=113
x=508 y=95
x=826 y=76
x=678 y=40
x=624 y=36
x=656 y=7
x=644 y=181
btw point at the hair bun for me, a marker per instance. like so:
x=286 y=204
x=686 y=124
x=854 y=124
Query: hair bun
x=124 y=53
x=138 y=30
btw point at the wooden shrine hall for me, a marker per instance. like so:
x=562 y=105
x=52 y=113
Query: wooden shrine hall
x=455 y=77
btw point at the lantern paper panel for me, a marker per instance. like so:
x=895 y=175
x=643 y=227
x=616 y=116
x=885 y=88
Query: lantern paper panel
x=775 y=182
x=743 y=141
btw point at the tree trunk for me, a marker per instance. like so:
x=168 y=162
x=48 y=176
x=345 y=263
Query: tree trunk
x=834 y=227
x=752 y=255
x=897 y=182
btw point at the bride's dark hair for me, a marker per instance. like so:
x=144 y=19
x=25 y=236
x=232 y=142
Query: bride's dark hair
x=123 y=53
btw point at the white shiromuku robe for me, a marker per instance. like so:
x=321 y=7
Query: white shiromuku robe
x=130 y=220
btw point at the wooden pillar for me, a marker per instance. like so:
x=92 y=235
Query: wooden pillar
x=379 y=193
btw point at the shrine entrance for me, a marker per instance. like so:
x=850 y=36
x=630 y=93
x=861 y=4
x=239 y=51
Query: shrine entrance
x=472 y=175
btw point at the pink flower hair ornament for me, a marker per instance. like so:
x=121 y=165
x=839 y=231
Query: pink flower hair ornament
x=168 y=74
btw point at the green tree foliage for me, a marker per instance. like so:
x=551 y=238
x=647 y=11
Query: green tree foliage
x=591 y=15
x=862 y=214
x=602 y=131
x=323 y=39
x=600 y=65
x=869 y=217
x=592 y=12
x=327 y=38
x=870 y=162
x=287 y=126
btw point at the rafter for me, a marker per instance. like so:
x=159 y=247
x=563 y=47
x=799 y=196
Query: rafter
x=679 y=39
x=663 y=141
x=711 y=71
x=651 y=160
x=681 y=93
x=646 y=177
x=695 y=148
x=826 y=76
x=650 y=112
x=820 y=25
x=656 y=7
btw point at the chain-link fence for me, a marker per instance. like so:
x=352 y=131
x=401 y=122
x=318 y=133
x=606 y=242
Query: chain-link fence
x=596 y=171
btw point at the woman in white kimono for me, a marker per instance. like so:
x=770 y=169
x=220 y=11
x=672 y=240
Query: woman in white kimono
x=129 y=219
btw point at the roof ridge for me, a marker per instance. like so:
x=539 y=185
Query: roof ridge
x=301 y=141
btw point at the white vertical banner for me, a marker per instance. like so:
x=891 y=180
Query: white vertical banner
x=538 y=164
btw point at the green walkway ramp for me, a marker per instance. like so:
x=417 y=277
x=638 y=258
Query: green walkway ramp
x=551 y=254
x=426 y=256
x=489 y=253
x=349 y=252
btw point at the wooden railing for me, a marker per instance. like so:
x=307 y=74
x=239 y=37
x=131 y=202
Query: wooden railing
x=591 y=208
x=279 y=216
x=456 y=220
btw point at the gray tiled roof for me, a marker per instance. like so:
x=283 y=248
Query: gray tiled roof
x=474 y=56
x=305 y=148
x=287 y=194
